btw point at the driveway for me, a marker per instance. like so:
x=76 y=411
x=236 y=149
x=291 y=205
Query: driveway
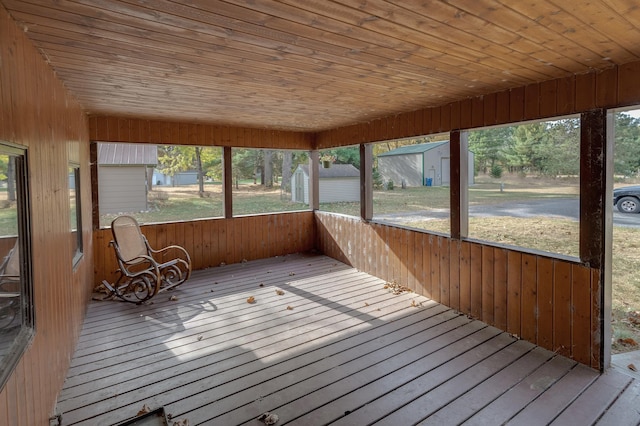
x=566 y=208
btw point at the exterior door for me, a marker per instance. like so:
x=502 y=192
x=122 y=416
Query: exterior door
x=445 y=170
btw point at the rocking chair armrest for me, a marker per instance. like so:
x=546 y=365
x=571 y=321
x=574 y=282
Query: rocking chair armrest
x=139 y=260
x=164 y=250
x=5 y=295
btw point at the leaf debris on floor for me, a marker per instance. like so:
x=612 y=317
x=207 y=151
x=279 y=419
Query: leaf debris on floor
x=396 y=288
x=144 y=410
x=251 y=300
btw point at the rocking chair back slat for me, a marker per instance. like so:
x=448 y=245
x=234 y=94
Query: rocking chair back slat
x=128 y=237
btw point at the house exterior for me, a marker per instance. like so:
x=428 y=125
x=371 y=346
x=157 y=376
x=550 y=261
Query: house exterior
x=425 y=164
x=188 y=177
x=340 y=182
x=122 y=176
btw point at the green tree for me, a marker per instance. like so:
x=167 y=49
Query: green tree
x=246 y=163
x=627 y=145
x=522 y=152
x=173 y=159
x=488 y=146
x=559 y=153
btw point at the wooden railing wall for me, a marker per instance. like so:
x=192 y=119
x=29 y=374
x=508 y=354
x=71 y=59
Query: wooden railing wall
x=551 y=302
x=211 y=242
x=615 y=87
x=37 y=112
x=118 y=129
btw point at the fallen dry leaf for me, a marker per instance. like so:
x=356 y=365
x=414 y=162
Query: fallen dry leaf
x=173 y=298
x=181 y=422
x=414 y=304
x=290 y=308
x=261 y=284
x=397 y=288
x=269 y=418
x=199 y=338
x=632 y=367
x=279 y=292
x=628 y=341
x=366 y=304
x=144 y=410
x=251 y=300
x=291 y=274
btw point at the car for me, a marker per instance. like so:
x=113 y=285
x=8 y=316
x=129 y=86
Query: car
x=627 y=199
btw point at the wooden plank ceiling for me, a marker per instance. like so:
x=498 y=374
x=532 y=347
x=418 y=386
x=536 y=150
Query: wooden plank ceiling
x=313 y=65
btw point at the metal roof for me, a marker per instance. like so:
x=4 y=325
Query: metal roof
x=413 y=149
x=127 y=154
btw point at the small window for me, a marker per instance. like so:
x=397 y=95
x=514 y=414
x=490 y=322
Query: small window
x=411 y=182
x=269 y=181
x=159 y=183
x=75 y=224
x=339 y=180
x=526 y=190
x=16 y=304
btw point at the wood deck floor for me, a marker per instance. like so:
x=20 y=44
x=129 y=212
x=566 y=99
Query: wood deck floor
x=347 y=352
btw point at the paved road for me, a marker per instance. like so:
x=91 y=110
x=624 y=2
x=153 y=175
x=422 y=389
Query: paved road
x=568 y=208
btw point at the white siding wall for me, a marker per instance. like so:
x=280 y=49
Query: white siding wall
x=299 y=185
x=122 y=189
x=433 y=160
x=339 y=189
x=399 y=167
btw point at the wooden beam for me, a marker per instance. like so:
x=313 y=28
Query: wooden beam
x=314 y=182
x=593 y=159
x=227 y=182
x=366 y=181
x=95 y=205
x=459 y=184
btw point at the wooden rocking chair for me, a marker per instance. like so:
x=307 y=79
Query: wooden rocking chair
x=144 y=272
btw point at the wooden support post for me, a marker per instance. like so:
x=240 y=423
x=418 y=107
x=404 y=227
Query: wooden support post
x=596 y=212
x=459 y=152
x=227 y=182
x=593 y=158
x=314 y=181
x=366 y=181
x=95 y=204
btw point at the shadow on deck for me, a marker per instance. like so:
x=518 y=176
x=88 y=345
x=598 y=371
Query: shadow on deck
x=332 y=346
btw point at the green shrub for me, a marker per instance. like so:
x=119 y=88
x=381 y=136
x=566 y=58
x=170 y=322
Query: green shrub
x=496 y=171
x=377 y=180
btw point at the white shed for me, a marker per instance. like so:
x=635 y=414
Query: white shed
x=419 y=165
x=122 y=176
x=340 y=182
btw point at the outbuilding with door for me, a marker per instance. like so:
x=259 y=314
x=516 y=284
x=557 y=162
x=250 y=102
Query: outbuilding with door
x=425 y=164
x=339 y=182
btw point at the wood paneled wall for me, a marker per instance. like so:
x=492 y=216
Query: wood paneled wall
x=614 y=87
x=37 y=112
x=116 y=129
x=211 y=242
x=551 y=302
